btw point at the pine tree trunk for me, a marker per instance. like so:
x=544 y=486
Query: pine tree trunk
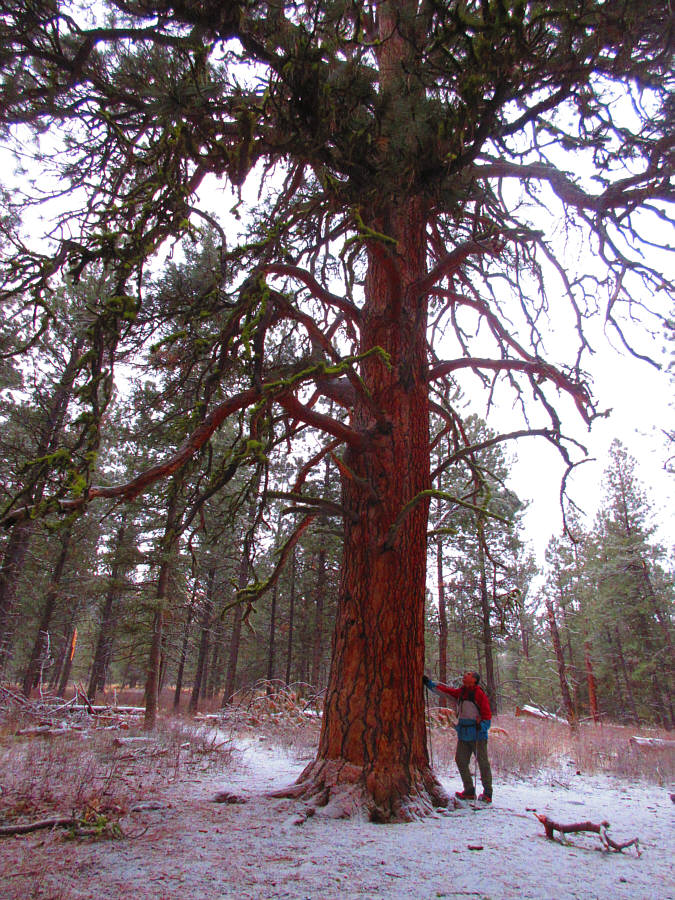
x=22 y=533
x=184 y=648
x=560 y=659
x=291 y=622
x=442 y=623
x=12 y=565
x=591 y=683
x=272 y=640
x=372 y=751
x=153 y=674
x=202 y=656
x=573 y=668
x=626 y=677
x=67 y=661
x=317 y=648
x=320 y=592
x=233 y=654
x=103 y=650
x=242 y=581
x=32 y=674
x=485 y=624
x=214 y=680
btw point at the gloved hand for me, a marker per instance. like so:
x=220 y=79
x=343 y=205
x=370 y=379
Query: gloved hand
x=483 y=729
x=428 y=683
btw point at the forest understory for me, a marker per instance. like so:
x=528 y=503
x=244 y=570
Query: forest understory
x=186 y=811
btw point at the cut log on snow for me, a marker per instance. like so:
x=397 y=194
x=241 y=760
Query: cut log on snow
x=57 y=822
x=536 y=713
x=600 y=829
x=44 y=731
x=652 y=743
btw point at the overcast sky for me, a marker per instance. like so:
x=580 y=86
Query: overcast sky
x=641 y=400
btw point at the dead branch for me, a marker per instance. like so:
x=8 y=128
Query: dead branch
x=600 y=829
x=55 y=822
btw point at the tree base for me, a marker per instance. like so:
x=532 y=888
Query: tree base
x=338 y=789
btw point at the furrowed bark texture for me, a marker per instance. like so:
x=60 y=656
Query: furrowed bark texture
x=372 y=751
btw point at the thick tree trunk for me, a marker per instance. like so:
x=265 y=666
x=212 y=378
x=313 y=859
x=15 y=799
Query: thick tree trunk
x=372 y=753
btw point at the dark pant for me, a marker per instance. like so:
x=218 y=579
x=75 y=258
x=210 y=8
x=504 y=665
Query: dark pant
x=465 y=749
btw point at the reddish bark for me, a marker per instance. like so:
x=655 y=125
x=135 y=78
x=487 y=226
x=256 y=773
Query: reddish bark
x=372 y=751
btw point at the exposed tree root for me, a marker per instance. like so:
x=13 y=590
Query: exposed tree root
x=338 y=789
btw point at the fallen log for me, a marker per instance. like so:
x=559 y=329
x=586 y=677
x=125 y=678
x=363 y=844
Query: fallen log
x=651 y=743
x=536 y=713
x=600 y=829
x=44 y=730
x=26 y=828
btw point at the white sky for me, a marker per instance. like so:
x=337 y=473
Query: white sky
x=641 y=399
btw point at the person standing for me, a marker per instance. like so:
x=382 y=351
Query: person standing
x=474 y=718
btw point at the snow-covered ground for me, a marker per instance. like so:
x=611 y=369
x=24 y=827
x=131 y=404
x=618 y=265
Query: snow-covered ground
x=196 y=849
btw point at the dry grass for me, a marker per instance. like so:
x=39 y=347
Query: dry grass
x=89 y=775
x=529 y=747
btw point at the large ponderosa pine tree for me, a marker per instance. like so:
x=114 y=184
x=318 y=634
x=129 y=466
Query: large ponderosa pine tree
x=406 y=154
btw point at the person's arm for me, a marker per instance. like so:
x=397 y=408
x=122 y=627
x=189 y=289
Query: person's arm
x=437 y=687
x=446 y=689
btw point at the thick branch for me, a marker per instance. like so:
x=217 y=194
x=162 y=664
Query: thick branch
x=321 y=421
x=536 y=369
x=442 y=495
x=130 y=489
x=651 y=184
x=454 y=261
x=317 y=290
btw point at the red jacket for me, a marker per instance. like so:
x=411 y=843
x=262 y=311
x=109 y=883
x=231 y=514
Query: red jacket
x=480 y=698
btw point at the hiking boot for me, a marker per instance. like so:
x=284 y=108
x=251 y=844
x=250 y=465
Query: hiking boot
x=485 y=798
x=465 y=795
